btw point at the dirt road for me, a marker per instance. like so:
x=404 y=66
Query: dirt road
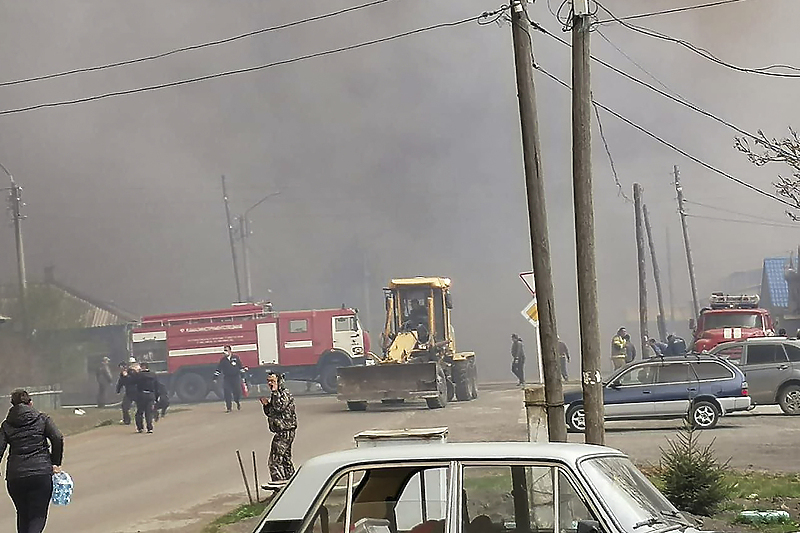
x=178 y=478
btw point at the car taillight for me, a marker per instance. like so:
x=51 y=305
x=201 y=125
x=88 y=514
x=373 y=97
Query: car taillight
x=744 y=388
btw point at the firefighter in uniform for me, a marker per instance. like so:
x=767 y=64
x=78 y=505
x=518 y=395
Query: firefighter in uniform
x=619 y=349
x=282 y=419
x=147 y=394
x=231 y=369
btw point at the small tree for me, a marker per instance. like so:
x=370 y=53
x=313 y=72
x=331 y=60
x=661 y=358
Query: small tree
x=693 y=479
x=762 y=150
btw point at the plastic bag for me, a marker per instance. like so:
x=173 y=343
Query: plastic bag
x=62 y=488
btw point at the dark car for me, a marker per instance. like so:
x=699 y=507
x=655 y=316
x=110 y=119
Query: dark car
x=771 y=366
x=700 y=388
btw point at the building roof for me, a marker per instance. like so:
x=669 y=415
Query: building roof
x=775 y=286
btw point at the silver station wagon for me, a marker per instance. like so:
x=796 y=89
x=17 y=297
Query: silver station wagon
x=493 y=487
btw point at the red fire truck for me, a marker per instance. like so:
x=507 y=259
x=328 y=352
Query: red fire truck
x=730 y=318
x=184 y=348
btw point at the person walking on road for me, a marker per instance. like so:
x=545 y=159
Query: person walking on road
x=282 y=421
x=619 y=348
x=31 y=462
x=517 y=358
x=231 y=369
x=161 y=406
x=563 y=355
x=126 y=380
x=104 y=381
x=147 y=394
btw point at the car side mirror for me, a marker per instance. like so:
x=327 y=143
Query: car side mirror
x=614 y=384
x=589 y=526
x=448 y=300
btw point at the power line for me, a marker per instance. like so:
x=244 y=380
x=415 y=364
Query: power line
x=739 y=221
x=672 y=146
x=192 y=47
x=702 y=52
x=732 y=212
x=669 y=11
x=227 y=73
x=678 y=99
x=620 y=191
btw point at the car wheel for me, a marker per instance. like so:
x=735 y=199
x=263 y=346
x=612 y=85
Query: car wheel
x=789 y=399
x=576 y=419
x=704 y=415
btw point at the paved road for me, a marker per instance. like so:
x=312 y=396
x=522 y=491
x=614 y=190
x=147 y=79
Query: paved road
x=177 y=479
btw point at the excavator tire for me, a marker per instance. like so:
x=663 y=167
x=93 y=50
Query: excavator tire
x=461 y=379
x=441 y=399
x=473 y=380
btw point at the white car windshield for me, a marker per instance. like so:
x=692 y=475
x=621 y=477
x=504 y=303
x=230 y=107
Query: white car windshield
x=635 y=503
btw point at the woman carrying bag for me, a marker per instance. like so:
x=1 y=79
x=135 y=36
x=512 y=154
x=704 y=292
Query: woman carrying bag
x=31 y=461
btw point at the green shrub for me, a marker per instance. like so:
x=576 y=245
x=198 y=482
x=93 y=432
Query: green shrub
x=692 y=477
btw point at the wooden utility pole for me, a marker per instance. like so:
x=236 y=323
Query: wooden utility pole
x=669 y=280
x=641 y=261
x=661 y=322
x=15 y=204
x=233 y=240
x=689 y=261
x=591 y=377
x=537 y=216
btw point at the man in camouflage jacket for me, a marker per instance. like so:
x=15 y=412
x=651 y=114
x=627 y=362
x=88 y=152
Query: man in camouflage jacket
x=282 y=419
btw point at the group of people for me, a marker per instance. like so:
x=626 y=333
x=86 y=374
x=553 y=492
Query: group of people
x=143 y=389
x=518 y=358
x=623 y=350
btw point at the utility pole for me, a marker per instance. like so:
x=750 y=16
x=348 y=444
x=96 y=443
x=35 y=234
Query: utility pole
x=669 y=280
x=244 y=231
x=231 y=237
x=537 y=216
x=642 y=267
x=592 y=380
x=15 y=204
x=661 y=321
x=689 y=261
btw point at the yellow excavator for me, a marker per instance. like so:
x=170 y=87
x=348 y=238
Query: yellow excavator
x=419 y=359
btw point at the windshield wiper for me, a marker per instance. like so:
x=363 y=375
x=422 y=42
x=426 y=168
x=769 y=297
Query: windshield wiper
x=649 y=522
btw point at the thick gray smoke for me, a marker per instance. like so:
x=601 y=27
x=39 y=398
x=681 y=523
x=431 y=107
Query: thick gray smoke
x=399 y=159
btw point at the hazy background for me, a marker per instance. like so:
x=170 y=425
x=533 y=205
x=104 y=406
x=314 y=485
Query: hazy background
x=399 y=159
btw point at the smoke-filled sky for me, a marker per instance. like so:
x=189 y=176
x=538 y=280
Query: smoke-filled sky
x=399 y=159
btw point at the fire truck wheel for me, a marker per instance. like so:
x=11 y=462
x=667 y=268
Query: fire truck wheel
x=191 y=387
x=328 y=378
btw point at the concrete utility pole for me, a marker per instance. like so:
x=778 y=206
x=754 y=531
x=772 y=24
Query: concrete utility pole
x=244 y=234
x=231 y=238
x=537 y=215
x=592 y=380
x=689 y=261
x=642 y=267
x=15 y=204
x=662 y=326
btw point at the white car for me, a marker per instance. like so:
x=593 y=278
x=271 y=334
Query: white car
x=492 y=487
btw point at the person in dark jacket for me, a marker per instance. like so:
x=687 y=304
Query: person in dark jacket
x=231 y=369
x=517 y=358
x=282 y=421
x=127 y=377
x=147 y=394
x=104 y=381
x=162 y=404
x=31 y=462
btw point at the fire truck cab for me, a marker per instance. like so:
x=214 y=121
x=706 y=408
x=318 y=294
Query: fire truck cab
x=185 y=348
x=729 y=318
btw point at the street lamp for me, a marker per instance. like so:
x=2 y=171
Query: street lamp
x=244 y=230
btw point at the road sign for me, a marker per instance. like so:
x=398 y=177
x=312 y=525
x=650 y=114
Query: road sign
x=527 y=279
x=531 y=313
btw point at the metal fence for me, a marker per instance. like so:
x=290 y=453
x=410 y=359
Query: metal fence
x=45 y=398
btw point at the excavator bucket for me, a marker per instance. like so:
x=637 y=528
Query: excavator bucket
x=387 y=381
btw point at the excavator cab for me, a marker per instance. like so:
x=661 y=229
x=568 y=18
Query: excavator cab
x=419 y=358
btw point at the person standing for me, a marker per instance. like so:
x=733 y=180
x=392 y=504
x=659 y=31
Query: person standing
x=630 y=349
x=563 y=354
x=31 y=462
x=231 y=369
x=126 y=381
x=658 y=347
x=619 y=348
x=104 y=381
x=282 y=421
x=518 y=358
x=147 y=394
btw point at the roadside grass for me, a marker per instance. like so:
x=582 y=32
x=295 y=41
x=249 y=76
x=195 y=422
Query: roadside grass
x=71 y=424
x=755 y=491
x=242 y=512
